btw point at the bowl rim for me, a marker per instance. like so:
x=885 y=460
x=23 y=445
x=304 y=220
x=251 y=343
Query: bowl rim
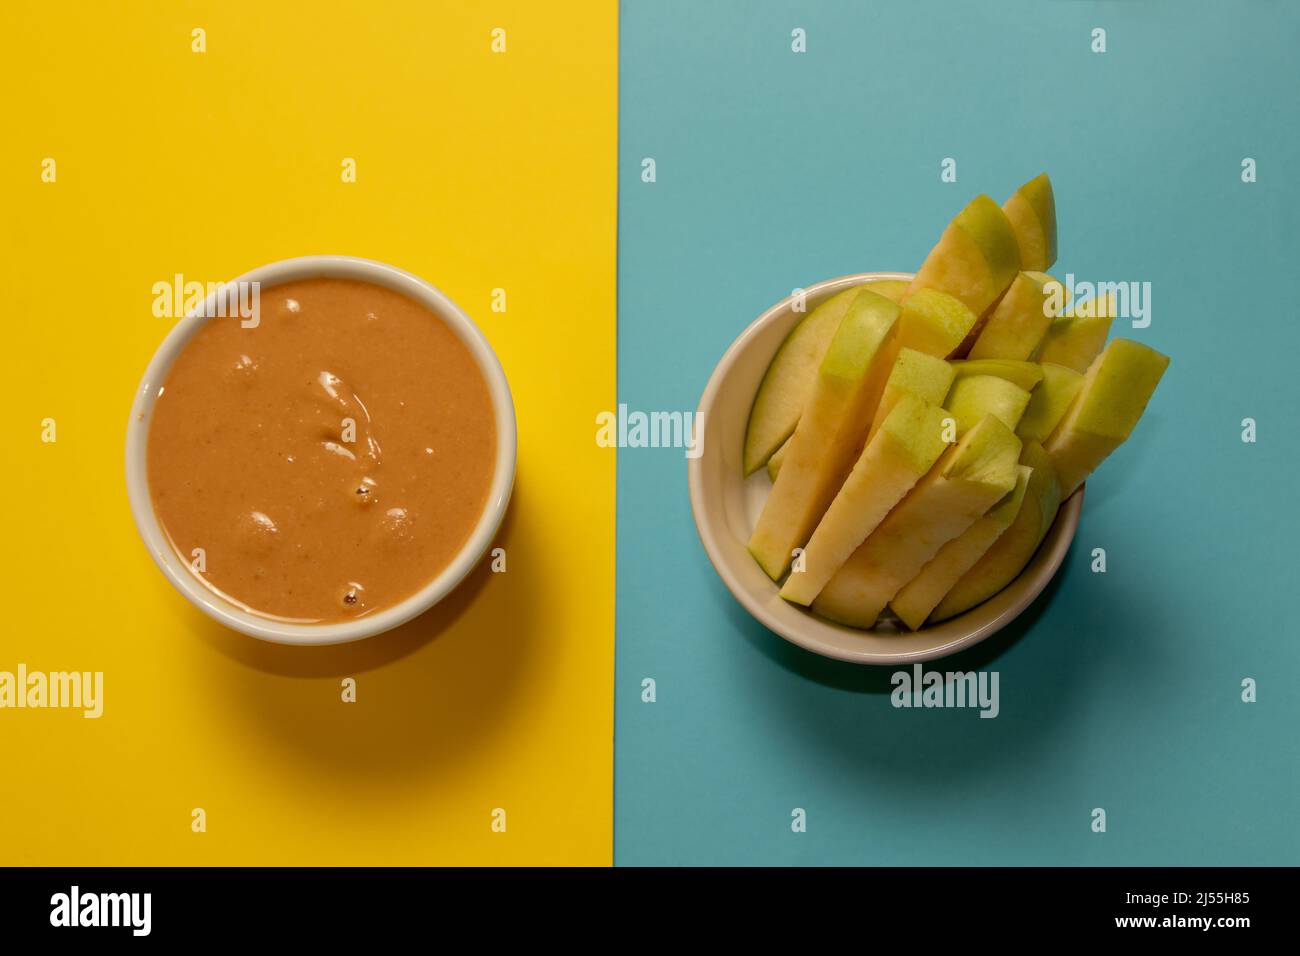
x=1000 y=608
x=222 y=608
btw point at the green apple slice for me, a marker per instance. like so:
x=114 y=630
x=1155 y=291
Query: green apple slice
x=789 y=379
x=1008 y=555
x=1032 y=213
x=913 y=373
x=1048 y=402
x=1113 y=396
x=904 y=447
x=923 y=593
x=1019 y=321
x=974 y=396
x=1076 y=339
x=975 y=259
x=934 y=322
x=1025 y=374
x=968 y=479
x=830 y=432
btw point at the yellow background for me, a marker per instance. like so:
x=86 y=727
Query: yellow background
x=475 y=171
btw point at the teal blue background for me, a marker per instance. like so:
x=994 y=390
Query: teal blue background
x=1118 y=690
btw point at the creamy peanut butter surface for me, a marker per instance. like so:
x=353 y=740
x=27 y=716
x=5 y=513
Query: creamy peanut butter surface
x=329 y=461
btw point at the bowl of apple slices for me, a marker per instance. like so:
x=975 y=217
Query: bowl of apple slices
x=891 y=464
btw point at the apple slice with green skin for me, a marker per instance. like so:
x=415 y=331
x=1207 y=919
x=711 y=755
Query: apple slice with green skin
x=968 y=479
x=789 y=379
x=1007 y=556
x=1025 y=374
x=1032 y=213
x=1078 y=337
x=1048 y=402
x=913 y=373
x=934 y=322
x=831 y=430
x=905 y=446
x=923 y=593
x=975 y=259
x=931 y=323
x=974 y=396
x=1114 y=394
x=1019 y=321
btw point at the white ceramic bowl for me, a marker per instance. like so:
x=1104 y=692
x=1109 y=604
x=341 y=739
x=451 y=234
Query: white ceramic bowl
x=213 y=603
x=726 y=507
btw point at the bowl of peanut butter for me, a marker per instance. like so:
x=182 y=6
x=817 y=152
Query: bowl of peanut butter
x=321 y=450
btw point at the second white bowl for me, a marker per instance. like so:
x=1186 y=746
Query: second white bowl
x=726 y=505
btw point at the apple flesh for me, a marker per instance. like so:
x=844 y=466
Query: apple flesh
x=1048 y=402
x=891 y=289
x=905 y=446
x=1114 y=394
x=975 y=259
x=778 y=459
x=1008 y=555
x=974 y=396
x=967 y=480
x=1019 y=321
x=1032 y=213
x=789 y=380
x=934 y=322
x=1025 y=374
x=914 y=373
x=830 y=432
x=923 y=593
x=1075 y=340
